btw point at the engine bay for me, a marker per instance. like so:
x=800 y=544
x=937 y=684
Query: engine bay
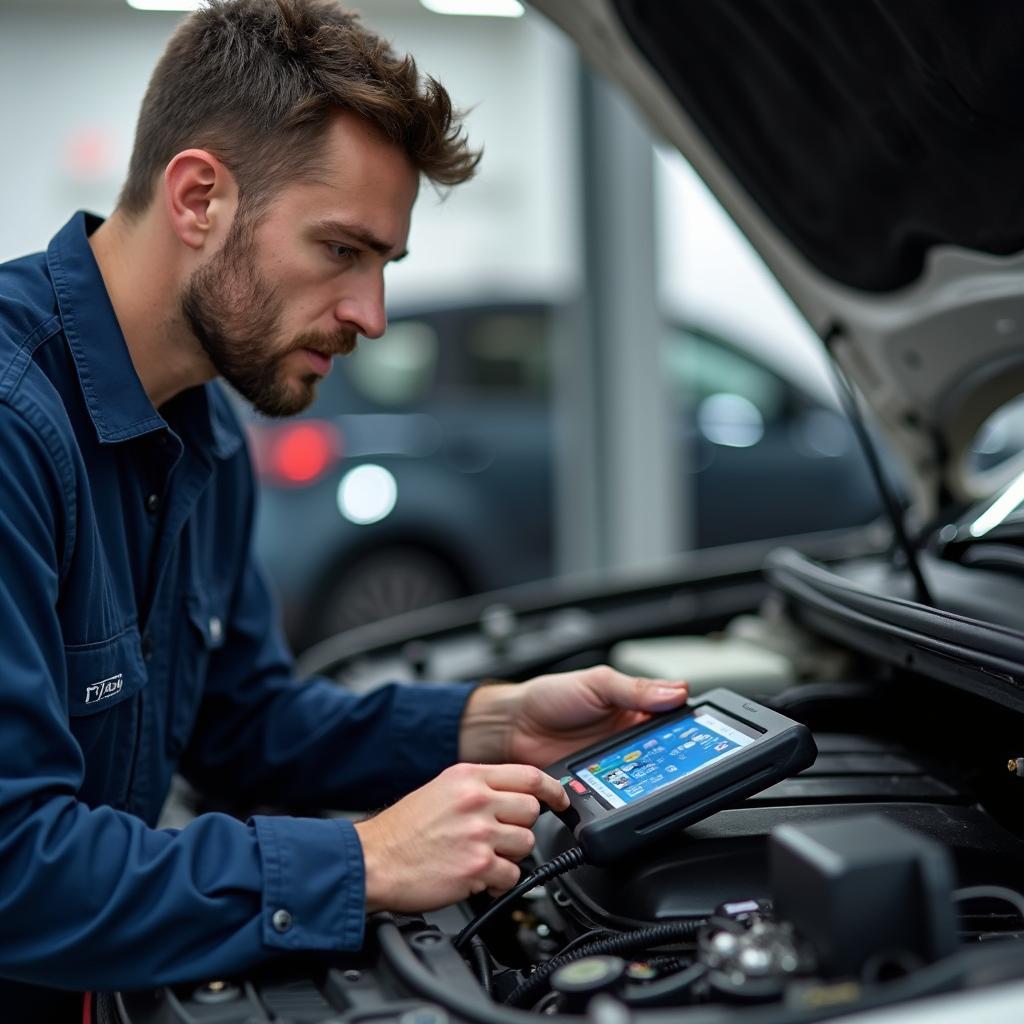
x=887 y=871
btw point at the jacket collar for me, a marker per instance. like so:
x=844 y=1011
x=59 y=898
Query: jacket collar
x=117 y=403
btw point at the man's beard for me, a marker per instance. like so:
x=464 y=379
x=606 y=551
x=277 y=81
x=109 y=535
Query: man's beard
x=235 y=314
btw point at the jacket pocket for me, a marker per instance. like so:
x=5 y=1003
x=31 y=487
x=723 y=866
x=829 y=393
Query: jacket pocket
x=204 y=635
x=105 y=681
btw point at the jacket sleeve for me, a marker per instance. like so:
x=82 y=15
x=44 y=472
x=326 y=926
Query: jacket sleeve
x=90 y=897
x=265 y=738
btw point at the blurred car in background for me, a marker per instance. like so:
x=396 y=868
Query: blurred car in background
x=424 y=470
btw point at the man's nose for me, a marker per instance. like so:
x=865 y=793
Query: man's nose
x=364 y=310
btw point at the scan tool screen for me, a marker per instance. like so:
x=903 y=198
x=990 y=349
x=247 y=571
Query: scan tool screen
x=667 y=753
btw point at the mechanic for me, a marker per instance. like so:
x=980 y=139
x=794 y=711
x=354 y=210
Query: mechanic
x=277 y=159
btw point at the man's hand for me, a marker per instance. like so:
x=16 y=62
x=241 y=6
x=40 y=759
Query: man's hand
x=460 y=834
x=542 y=721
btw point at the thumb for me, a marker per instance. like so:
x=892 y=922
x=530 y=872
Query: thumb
x=637 y=693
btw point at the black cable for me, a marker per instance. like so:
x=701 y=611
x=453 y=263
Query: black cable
x=584 y=939
x=423 y=984
x=552 y=869
x=848 y=399
x=528 y=991
x=991 y=892
x=482 y=964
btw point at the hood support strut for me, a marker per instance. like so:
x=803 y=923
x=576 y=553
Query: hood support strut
x=848 y=398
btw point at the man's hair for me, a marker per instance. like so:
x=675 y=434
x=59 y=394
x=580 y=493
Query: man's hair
x=255 y=82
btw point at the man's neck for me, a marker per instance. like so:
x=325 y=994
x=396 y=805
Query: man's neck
x=138 y=267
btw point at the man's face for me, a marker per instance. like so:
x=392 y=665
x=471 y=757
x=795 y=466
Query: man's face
x=285 y=294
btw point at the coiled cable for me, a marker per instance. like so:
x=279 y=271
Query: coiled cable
x=530 y=990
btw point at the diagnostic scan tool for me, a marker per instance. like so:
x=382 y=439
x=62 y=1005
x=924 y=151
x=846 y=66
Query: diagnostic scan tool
x=676 y=769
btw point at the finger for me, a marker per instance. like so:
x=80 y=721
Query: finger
x=516 y=808
x=501 y=876
x=637 y=693
x=525 y=778
x=512 y=842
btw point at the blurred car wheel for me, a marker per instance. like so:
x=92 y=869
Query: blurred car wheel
x=385 y=583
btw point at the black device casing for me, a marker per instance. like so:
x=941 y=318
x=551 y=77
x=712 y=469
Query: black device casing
x=864 y=886
x=607 y=834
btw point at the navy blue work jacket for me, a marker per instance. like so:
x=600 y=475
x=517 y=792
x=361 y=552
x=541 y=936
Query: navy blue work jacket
x=137 y=636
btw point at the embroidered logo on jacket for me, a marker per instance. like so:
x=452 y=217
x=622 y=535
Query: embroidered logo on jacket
x=104 y=688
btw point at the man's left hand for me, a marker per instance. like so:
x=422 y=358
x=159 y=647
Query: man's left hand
x=542 y=721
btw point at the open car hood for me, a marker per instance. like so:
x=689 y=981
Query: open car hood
x=873 y=153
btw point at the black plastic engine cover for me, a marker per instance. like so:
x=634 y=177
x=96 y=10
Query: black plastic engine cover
x=726 y=857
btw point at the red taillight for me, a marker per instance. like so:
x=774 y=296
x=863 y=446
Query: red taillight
x=295 y=454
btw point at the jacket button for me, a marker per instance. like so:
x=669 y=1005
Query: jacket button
x=282 y=920
x=152 y=503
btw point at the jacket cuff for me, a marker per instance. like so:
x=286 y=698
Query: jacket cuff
x=314 y=884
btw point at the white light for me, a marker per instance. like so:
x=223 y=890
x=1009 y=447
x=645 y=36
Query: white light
x=482 y=8
x=164 y=5
x=367 y=494
x=1006 y=503
x=730 y=420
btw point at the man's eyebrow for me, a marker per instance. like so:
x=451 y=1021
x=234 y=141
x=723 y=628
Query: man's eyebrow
x=360 y=234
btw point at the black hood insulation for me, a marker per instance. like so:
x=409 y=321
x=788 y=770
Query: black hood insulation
x=868 y=131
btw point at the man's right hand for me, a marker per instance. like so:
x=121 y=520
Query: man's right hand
x=460 y=834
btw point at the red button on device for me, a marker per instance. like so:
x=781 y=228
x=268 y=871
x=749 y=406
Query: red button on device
x=578 y=786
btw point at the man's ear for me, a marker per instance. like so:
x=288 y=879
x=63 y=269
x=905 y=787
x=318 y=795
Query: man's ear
x=201 y=197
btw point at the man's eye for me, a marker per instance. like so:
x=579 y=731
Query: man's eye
x=341 y=252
